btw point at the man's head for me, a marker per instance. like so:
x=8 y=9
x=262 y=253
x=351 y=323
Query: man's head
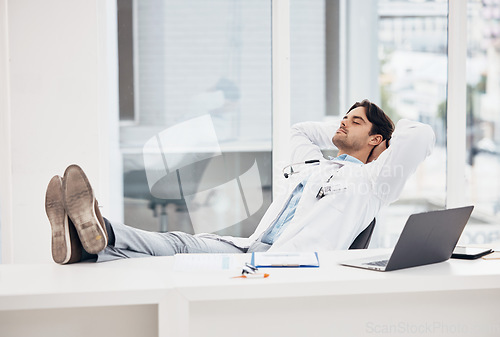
x=363 y=127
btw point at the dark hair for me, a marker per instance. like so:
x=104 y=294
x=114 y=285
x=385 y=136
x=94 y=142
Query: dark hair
x=382 y=124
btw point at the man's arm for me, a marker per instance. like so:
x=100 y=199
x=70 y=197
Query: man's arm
x=308 y=138
x=411 y=143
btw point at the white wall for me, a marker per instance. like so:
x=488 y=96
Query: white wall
x=58 y=105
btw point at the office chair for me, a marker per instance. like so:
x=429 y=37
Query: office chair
x=363 y=239
x=135 y=186
x=172 y=189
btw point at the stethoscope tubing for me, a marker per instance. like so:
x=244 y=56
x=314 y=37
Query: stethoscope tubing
x=286 y=174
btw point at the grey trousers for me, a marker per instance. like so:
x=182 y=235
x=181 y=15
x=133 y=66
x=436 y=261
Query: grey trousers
x=132 y=242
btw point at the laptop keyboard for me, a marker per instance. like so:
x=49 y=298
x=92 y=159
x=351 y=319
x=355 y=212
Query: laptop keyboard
x=381 y=263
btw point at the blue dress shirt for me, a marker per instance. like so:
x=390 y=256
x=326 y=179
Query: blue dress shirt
x=276 y=229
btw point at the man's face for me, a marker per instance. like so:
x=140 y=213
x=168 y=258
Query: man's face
x=353 y=133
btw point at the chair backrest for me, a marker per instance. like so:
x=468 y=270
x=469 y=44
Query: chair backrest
x=363 y=239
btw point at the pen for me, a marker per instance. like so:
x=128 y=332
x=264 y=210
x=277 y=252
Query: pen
x=256 y=275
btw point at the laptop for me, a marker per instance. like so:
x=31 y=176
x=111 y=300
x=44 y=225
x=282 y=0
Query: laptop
x=427 y=238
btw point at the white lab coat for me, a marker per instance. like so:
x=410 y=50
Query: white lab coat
x=358 y=191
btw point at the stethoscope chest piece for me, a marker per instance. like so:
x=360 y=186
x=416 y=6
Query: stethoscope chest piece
x=292 y=171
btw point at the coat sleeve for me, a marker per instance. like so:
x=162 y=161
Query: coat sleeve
x=308 y=138
x=411 y=143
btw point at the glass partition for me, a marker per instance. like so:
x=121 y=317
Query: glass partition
x=195 y=94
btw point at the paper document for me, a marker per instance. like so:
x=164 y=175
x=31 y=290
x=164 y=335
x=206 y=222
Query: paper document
x=263 y=259
x=205 y=262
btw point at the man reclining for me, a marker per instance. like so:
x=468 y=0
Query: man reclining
x=322 y=206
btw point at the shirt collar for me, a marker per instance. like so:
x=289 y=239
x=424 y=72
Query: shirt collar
x=346 y=157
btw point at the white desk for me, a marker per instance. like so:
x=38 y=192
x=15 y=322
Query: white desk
x=146 y=297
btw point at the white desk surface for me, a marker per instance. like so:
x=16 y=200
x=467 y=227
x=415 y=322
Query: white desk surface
x=122 y=282
x=148 y=280
x=334 y=279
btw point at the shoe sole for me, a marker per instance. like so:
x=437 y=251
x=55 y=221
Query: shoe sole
x=54 y=207
x=79 y=202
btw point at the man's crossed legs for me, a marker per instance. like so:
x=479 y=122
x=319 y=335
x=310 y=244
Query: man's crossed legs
x=79 y=232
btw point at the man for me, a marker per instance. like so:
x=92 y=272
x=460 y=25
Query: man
x=324 y=205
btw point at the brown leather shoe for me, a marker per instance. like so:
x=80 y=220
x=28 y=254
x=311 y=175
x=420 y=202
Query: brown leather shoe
x=82 y=208
x=66 y=246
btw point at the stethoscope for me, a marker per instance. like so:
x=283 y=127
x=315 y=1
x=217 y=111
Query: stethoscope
x=307 y=162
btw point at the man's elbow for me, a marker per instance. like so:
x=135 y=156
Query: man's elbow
x=422 y=134
x=428 y=137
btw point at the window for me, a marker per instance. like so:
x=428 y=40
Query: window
x=213 y=58
x=483 y=120
x=197 y=146
x=413 y=84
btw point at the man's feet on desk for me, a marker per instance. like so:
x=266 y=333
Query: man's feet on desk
x=76 y=222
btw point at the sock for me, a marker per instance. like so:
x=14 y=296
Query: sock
x=87 y=256
x=111 y=233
